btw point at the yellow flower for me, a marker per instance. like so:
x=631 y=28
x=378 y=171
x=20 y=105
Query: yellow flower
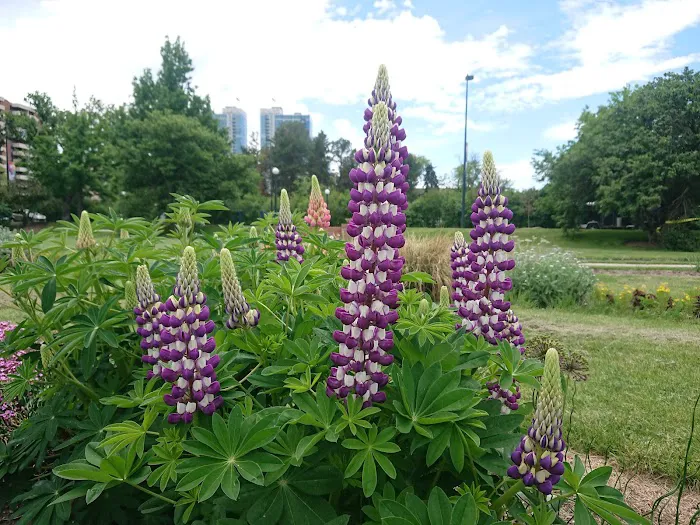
x=663 y=288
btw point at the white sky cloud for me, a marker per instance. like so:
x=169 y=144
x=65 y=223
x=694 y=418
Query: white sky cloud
x=383 y=6
x=520 y=172
x=561 y=132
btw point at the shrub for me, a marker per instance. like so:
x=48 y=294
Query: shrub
x=550 y=277
x=683 y=236
x=6 y=236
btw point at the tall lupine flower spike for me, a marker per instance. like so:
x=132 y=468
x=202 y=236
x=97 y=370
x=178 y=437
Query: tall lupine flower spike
x=317 y=215
x=485 y=312
x=241 y=314
x=288 y=239
x=444 y=297
x=461 y=275
x=253 y=234
x=187 y=352
x=85 y=237
x=149 y=311
x=539 y=459
x=130 y=297
x=374 y=268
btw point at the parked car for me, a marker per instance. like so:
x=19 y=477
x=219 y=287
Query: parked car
x=591 y=225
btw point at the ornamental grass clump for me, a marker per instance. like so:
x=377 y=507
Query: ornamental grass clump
x=317 y=215
x=187 y=353
x=378 y=199
x=288 y=240
x=240 y=312
x=539 y=458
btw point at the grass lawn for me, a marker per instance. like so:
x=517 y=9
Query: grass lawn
x=643 y=381
x=679 y=283
x=627 y=246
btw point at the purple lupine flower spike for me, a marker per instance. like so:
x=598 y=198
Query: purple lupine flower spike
x=486 y=309
x=288 y=240
x=373 y=267
x=188 y=348
x=148 y=312
x=539 y=458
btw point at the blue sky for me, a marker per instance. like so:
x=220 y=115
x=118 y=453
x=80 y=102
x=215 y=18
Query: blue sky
x=536 y=64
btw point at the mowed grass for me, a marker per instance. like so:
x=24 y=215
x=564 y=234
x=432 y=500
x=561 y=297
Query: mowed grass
x=644 y=377
x=678 y=283
x=623 y=246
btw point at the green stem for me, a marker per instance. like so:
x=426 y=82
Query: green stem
x=436 y=477
x=508 y=495
x=91 y=393
x=274 y=315
x=150 y=492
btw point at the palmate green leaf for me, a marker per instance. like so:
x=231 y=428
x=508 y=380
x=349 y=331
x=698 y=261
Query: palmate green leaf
x=439 y=507
x=81 y=471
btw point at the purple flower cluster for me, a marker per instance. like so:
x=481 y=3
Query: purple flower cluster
x=373 y=268
x=508 y=397
x=10 y=412
x=186 y=354
x=539 y=459
x=148 y=318
x=513 y=331
x=482 y=304
x=287 y=238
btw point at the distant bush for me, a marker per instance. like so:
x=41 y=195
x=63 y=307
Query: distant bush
x=681 y=237
x=551 y=277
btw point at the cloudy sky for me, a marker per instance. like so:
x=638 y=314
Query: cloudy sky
x=536 y=63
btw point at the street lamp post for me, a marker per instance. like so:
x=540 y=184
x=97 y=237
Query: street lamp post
x=273 y=198
x=464 y=166
x=327 y=191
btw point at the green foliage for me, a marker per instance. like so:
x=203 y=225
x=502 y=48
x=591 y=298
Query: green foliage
x=636 y=156
x=279 y=450
x=550 y=277
x=684 y=236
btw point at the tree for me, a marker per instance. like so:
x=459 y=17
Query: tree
x=165 y=153
x=637 y=156
x=72 y=154
x=291 y=152
x=473 y=172
x=319 y=162
x=172 y=90
x=430 y=178
x=417 y=164
x=342 y=155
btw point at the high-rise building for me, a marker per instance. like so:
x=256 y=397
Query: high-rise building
x=272 y=118
x=13 y=153
x=235 y=122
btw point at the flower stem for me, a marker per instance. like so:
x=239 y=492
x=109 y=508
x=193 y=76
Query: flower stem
x=150 y=492
x=508 y=495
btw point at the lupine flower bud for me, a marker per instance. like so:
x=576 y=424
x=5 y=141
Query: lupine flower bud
x=444 y=297
x=423 y=307
x=85 y=237
x=236 y=305
x=130 y=295
x=373 y=265
x=253 y=232
x=184 y=218
x=123 y=234
x=288 y=239
x=149 y=311
x=461 y=275
x=317 y=215
x=481 y=303
x=17 y=252
x=188 y=347
x=539 y=459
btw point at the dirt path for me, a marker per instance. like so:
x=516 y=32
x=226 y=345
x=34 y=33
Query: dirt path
x=641 y=490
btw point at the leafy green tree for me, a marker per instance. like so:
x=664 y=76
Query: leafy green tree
x=343 y=155
x=73 y=156
x=473 y=172
x=430 y=178
x=165 y=153
x=291 y=153
x=172 y=89
x=320 y=159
